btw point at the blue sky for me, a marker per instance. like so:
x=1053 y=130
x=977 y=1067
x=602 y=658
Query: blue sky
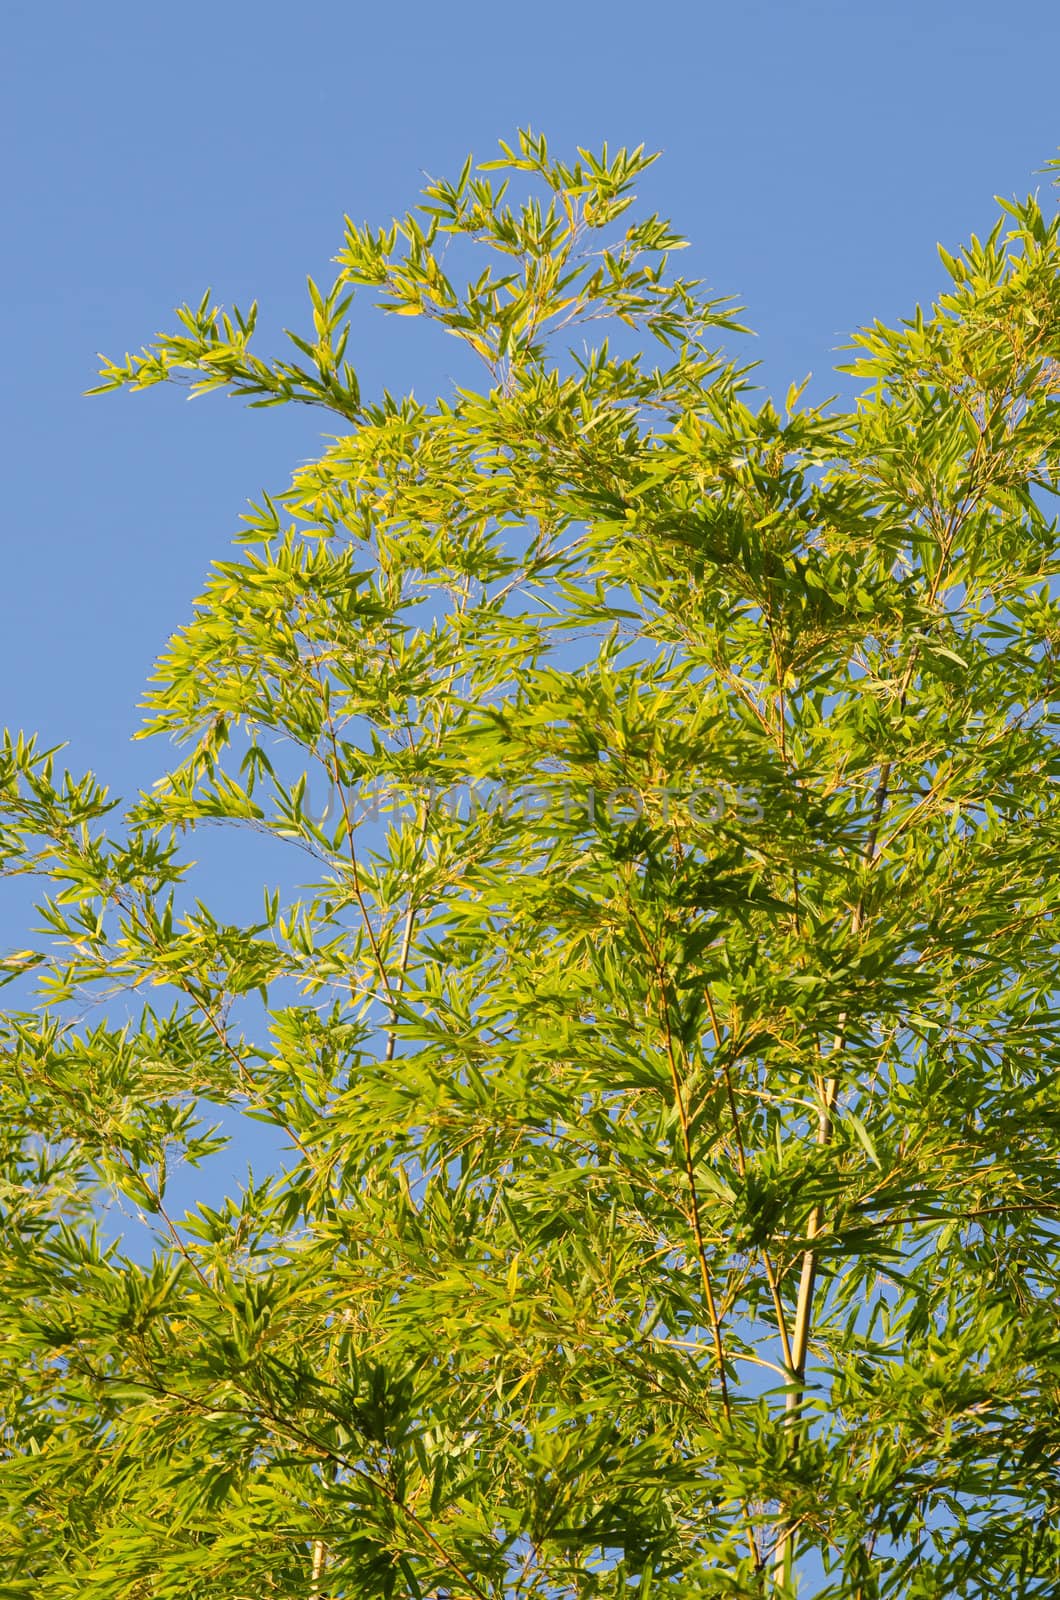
x=813 y=153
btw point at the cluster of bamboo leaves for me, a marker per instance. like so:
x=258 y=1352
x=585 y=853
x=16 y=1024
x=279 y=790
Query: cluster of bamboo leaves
x=671 y=1194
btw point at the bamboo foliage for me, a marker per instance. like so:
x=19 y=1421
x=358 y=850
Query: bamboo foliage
x=659 y=1006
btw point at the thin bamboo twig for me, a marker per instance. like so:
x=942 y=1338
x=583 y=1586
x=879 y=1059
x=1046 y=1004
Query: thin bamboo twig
x=697 y=1225
x=741 y=1167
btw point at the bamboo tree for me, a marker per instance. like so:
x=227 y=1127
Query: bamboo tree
x=655 y=990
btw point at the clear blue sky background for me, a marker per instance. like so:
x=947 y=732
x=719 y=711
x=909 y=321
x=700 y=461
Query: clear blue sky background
x=814 y=151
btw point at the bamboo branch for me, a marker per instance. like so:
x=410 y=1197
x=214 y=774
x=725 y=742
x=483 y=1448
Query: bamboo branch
x=320 y=1553
x=827 y=1090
